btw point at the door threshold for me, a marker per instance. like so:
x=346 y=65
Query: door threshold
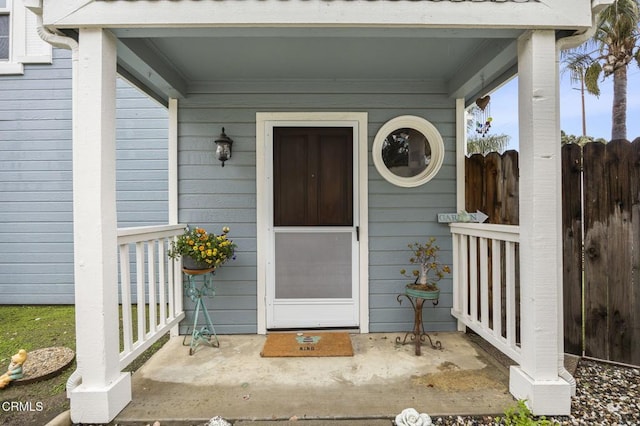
x=353 y=330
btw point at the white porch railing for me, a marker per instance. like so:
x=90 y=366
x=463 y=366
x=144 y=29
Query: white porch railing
x=486 y=291
x=143 y=260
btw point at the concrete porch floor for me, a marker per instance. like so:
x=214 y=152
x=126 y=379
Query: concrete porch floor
x=378 y=382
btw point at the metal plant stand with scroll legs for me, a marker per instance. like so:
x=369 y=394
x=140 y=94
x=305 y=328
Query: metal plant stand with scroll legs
x=418 y=334
x=206 y=333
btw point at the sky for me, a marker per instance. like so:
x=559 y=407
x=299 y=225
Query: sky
x=504 y=108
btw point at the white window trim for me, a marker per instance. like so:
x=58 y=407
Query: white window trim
x=424 y=127
x=21 y=24
x=9 y=68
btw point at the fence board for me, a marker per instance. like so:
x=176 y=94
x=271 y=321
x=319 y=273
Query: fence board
x=619 y=239
x=474 y=182
x=493 y=187
x=597 y=265
x=492 y=183
x=572 y=247
x=511 y=182
x=635 y=256
x=595 y=259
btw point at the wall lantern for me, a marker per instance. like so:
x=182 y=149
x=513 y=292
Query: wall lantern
x=223 y=147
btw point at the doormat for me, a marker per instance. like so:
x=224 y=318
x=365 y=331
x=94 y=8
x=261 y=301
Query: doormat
x=307 y=344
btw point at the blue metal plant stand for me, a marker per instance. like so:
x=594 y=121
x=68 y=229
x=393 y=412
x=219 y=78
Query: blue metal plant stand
x=207 y=333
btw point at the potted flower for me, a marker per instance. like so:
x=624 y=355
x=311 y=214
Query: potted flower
x=200 y=249
x=431 y=270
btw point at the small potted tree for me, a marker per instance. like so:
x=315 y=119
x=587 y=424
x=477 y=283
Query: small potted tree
x=430 y=270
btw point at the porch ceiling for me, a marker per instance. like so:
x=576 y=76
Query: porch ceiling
x=170 y=62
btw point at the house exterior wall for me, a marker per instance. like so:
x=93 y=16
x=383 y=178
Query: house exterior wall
x=36 y=223
x=211 y=196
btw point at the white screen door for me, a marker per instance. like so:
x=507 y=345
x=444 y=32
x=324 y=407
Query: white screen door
x=313 y=275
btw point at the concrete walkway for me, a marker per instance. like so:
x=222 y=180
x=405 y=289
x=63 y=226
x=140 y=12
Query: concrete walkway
x=378 y=382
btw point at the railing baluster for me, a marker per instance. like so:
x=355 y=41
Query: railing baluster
x=510 y=270
x=496 y=281
x=162 y=279
x=473 y=278
x=177 y=284
x=484 y=283
x=455 y=251
x=125 y=297
x=140 y=291
x=171 y=265
x=464 y=274
x=151 y=280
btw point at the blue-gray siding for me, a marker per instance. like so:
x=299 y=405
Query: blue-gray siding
x=212 y=196
x=36 y=231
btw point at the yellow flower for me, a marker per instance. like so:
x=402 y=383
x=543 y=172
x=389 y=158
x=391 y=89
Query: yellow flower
x=197 y=242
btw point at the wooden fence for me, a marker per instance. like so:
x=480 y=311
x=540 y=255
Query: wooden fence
x=601 y=239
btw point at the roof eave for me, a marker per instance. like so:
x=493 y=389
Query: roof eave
x=550 y=14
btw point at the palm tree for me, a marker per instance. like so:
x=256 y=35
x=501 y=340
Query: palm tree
x=578 y=140
x=486 y=144
x=612 y=48
x=577 y=64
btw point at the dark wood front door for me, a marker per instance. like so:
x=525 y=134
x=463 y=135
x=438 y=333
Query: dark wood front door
x=313 y=176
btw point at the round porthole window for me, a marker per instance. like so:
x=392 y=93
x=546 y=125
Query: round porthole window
x=408 y=151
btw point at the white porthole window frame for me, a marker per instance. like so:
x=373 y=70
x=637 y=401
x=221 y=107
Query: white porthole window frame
x=433 y=138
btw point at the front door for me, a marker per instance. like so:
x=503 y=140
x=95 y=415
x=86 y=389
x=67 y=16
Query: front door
x=313 y=281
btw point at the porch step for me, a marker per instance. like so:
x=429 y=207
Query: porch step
x=333 y=422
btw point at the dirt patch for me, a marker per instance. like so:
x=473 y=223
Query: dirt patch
x=452 y=379
x=448 y=366
x=34 y=405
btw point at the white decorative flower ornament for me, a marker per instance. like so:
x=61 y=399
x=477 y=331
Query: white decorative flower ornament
x=410 y=417
x=218 y=421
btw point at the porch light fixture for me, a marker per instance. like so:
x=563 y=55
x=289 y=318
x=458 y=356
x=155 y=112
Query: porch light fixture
x=223 y=147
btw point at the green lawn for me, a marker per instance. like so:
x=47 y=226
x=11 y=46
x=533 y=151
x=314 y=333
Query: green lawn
x=41 y=326
x=35 y=327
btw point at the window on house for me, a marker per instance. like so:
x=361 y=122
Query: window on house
x=19 y=40
x=4 y=30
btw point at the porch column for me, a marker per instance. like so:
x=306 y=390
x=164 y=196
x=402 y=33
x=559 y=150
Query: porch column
x=537 y=378
x=104 y=391
x=173 y=191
